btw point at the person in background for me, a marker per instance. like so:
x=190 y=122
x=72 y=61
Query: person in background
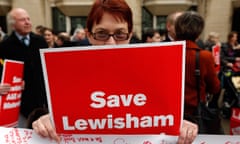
x=110 y=23
x=135 y=39
x=23 y=45
x=213 y=44
x=151 y=35
x=213 y=39
x=49 y=36
x=189 y=25
x=230 y=63
x=170 y=26
x=231 y=50
x=63 y=40
x=79 y=37
x=39 y=30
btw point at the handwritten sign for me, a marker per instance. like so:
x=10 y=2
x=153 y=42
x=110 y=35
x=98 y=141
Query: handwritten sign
x=10 y=103
x=27 y=136
x=124 y=89
x=216 y=56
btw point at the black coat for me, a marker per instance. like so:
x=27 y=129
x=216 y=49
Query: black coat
x=34 y=95
x=167 y=39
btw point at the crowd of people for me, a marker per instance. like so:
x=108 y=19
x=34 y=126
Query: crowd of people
x=111 y=25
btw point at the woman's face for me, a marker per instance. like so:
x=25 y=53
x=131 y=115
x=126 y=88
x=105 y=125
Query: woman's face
x=48 y=35
x=156 y=37
x=109 y=25
x=235 y=37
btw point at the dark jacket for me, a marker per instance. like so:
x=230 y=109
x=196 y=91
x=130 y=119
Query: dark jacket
x=34 y=95
x=228 y=54
x=167 y=39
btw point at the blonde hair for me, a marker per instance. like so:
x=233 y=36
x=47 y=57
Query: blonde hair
x=213 y=35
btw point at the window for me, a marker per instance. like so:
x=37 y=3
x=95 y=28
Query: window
x=161 y=22
x=147 y=19
x=59 y=20
x=78 y=22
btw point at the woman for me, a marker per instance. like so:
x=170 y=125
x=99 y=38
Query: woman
x=49 y=37
x=188 y=27
x=230 y=63
x=110 y=23
x=231 y=50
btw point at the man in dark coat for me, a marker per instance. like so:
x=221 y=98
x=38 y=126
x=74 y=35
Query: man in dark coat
x=170 y=26
x=14 y=48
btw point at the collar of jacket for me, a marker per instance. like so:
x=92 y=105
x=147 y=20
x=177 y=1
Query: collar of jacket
x=191 y=45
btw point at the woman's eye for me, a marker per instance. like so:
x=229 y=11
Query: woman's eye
x=102 y=32
x=119 y=32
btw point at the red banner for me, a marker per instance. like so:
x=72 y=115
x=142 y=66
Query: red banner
x=216 y=56
x=10 y=103
x=235 y=122
x=128 y=89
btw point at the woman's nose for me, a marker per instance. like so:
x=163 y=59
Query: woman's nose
x=110 y=41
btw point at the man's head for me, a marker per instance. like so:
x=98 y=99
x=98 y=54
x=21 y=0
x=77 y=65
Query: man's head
x=189 y=26
x=19 y=21
x=171 y=19
x=213 y=37
x=79 y=34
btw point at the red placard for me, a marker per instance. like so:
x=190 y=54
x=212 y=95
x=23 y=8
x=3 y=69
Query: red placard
x=10 y=103
x=124 y=89
x=216 y=56
x=235 y=122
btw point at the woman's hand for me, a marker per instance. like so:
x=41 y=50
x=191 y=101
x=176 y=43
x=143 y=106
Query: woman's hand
x=44 y=127
x=4 y=88
x=188 y=133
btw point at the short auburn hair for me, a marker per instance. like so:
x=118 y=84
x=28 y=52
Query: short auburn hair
x=189 y=26
x=118 y=8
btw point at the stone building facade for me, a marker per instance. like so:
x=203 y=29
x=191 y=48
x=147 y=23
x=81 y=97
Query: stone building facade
x=221 y=15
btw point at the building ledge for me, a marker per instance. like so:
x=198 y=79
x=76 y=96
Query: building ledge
x=164 y=7
x=5 y=6
x=236 y=3
x=74 y=7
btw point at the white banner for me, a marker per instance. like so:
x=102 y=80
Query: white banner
x=27 y=136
